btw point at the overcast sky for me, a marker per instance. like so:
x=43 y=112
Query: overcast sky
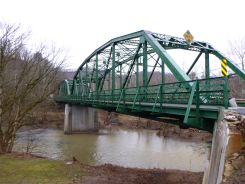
x=80 y=26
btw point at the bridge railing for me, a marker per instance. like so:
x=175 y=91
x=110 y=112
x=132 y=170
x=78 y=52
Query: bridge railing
x=213 y=91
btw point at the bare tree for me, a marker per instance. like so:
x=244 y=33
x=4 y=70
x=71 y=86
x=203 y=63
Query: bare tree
x=237 y=51
x=26 y=81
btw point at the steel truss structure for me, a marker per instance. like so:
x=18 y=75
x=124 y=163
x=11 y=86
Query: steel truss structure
x=118 y=76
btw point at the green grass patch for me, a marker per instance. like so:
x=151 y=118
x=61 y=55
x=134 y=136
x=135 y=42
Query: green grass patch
x=15 y=170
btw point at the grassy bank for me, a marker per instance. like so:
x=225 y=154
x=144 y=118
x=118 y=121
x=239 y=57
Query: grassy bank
x=17 y=169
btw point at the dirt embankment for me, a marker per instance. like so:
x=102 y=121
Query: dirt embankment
x=109 y=174
x=235 y=162
x=235 y=168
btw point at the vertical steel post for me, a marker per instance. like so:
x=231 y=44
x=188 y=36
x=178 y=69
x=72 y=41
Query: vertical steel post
x=120 y=76
x=97 y=75
x=113 y=75
x=145 y=71
x=80 y=83
x=198 y=103
x=109 y=80
x=161 y=96
x=137 y=72
x=163 y=81
x=163 y=72
x=207 y=69
x=86 y=78
x=226 y=92
x=86 y=72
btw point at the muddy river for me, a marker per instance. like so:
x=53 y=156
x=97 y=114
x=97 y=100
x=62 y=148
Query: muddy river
x=119 y=146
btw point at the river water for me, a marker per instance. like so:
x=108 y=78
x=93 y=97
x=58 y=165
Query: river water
x=119 y=146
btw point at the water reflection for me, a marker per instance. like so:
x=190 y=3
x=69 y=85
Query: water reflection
x=130 y=148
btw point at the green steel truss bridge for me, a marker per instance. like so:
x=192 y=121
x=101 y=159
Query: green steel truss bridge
x=119 y=77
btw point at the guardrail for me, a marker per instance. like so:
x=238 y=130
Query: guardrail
x=212 y=91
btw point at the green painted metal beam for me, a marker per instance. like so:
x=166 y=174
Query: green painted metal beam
x=163 y=72
x=86 y=70
x=231 y=64
x=145 y=64
x=131 y=66
x=152 y=72
x=107 y=71
x=109 y=81
x=67 y=87
x=168 y=60
x=190 y=103
x=207 y=68
x=97 y=74
x=194 y=62
x=137 y=72
x=120 y=76
x=127 y=60
x=226 y=93
x=113 y=69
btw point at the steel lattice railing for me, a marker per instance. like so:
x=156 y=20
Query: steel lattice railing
x=212 y=91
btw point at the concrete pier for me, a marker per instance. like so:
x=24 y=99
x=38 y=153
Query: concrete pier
x=80 y=119
x=227 y=140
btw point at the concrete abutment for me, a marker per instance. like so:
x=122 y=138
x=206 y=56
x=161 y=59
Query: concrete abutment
x=79 y=119
x=228 y=137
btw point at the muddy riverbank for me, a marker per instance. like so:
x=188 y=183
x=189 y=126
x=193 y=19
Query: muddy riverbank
x=109 y=174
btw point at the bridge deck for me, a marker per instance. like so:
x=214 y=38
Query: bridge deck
x=206 y=111
x=167 y=105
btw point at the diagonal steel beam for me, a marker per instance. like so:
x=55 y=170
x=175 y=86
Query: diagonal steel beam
x=171 y=64
x=231 y=64
x=131 y=66
x=193 y=64
x=154 y=67
x=102 y=80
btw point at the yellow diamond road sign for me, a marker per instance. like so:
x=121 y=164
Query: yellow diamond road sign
x=188 y=36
